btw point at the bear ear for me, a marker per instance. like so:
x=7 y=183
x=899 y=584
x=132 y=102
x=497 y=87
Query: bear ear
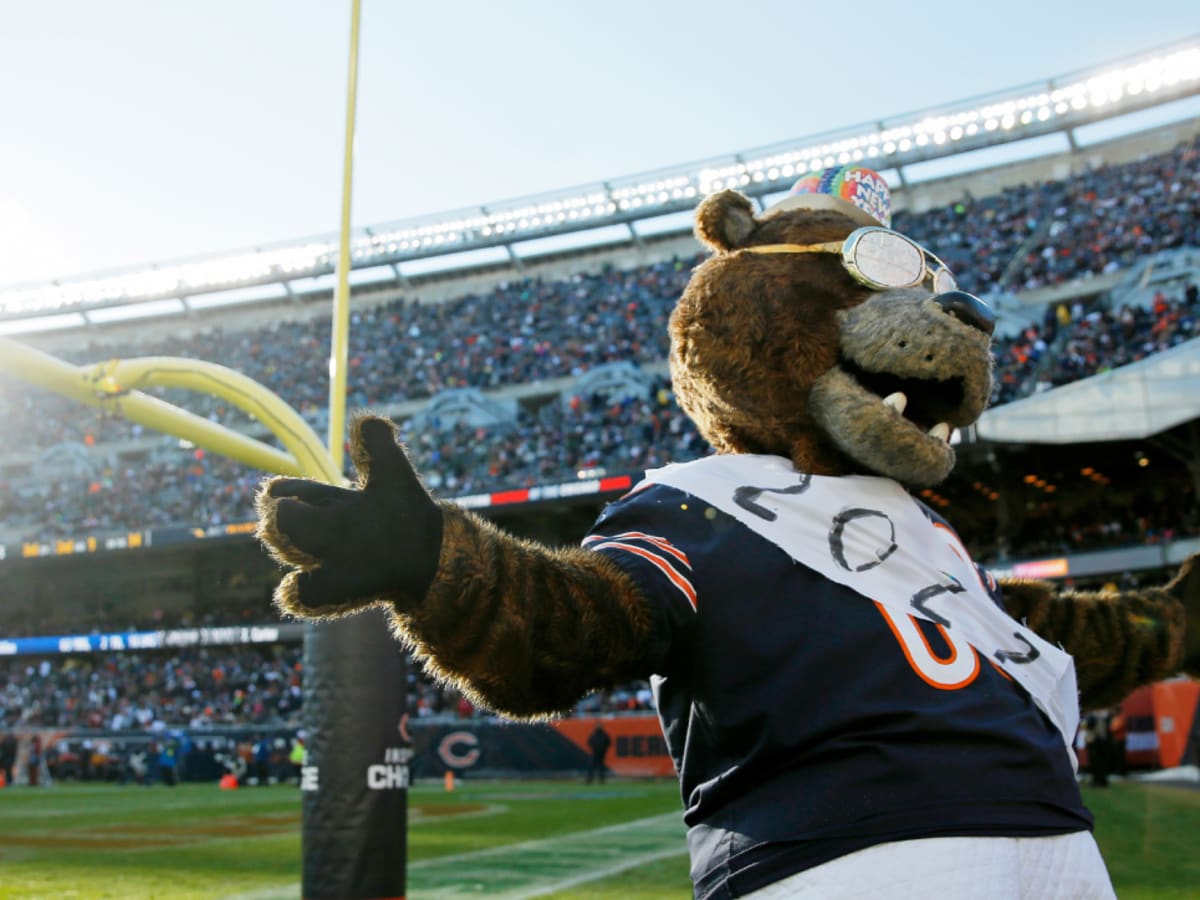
x=725 y=220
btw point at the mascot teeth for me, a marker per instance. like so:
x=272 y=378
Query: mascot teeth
x=941 y=431
x=896 y=401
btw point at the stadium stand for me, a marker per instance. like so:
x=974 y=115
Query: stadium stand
x=532 y=329
x=558 y=440
x=149 y=692
x=203 y=687
x=1056 y=231
x=531 y=341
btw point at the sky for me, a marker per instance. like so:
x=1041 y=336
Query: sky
x=142 y=131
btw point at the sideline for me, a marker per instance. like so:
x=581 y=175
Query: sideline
x=534 y=868
x=1180 y=776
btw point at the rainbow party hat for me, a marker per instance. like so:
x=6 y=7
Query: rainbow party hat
x=858 y=192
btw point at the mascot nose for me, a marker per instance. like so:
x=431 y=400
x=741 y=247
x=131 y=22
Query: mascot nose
x=968 y=309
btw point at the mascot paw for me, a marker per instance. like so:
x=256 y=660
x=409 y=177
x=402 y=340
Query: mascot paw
x=350 y=547
x=1185 y=587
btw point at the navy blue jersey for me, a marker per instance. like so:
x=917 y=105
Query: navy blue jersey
x=803 y=723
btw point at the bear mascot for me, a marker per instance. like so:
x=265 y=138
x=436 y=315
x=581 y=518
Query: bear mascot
x=854 y=707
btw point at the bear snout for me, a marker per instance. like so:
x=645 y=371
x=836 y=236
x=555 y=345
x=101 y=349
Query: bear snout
x=968 y=309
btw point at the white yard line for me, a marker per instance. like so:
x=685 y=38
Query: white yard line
x=46 y=813
x=548 y=843
x=595 y=874
x=286 y=892
x=534 y=868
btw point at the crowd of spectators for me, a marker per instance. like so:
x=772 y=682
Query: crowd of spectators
x=556 y=442
x=1077 y=340
x=1051 y=232
x=520 y=332
x=203 y=687
x=588 y=434
x=153 y=691
x=191 y=487
x=1039 y=537
x=27 y=617
x=532 y=329
x=1152 y=508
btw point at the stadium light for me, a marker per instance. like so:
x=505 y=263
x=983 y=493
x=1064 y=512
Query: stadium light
x=1024 y=112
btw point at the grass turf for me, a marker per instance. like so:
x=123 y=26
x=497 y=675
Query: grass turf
x=193 y=841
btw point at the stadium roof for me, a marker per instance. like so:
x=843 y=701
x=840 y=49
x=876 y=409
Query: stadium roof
x=1059 y=105
x=1132 y=402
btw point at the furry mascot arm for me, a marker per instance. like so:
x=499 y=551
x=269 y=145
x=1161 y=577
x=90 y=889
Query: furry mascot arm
x=520 y=628
x=1119 y=641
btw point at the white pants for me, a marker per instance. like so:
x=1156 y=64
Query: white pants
x=1064 y=867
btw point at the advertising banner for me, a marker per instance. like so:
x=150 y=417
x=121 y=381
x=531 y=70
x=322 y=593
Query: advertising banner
x=637 y=749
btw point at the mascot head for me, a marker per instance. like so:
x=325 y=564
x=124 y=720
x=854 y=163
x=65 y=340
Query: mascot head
x=816 y=333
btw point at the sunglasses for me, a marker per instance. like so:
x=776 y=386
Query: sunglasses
x=879 y=258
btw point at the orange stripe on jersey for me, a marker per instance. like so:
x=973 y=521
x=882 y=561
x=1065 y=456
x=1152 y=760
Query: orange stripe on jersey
x=682 y=584
x=660 y=542
x=636 y=489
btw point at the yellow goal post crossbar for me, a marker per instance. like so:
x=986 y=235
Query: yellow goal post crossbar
x=113 y=386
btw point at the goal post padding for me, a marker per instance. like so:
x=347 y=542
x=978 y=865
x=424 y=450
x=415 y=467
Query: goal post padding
x=356 y=775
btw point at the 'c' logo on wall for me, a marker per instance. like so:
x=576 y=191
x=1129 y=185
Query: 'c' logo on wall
x=459 y=750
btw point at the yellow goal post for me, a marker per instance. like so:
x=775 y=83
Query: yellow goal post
x=116 y=386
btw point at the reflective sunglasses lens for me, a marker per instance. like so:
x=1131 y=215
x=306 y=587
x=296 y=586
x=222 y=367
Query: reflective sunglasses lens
x=944 y=281
x=888 y=260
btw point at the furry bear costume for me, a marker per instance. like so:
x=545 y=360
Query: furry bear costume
x=838 y=683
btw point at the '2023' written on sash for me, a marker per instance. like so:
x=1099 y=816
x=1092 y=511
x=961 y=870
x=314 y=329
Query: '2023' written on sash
x=952 y=671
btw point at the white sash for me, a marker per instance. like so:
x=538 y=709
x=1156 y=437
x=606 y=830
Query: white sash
x=868 y=534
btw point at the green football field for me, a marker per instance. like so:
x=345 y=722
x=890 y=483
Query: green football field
x=485 y=839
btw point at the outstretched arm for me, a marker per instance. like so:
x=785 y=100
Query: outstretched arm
x=1119 y=641
x=524 y=628
x=521 y=628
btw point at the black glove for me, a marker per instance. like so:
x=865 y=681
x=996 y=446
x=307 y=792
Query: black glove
x=351 y=547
